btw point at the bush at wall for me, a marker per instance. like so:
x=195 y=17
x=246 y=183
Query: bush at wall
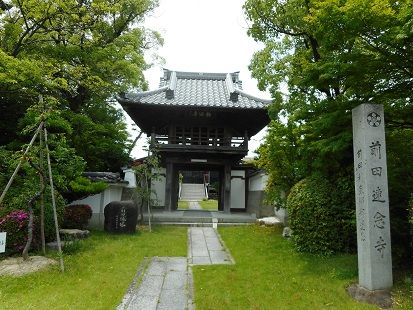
x=15 y=224
x=321 y=218
x=77 y=216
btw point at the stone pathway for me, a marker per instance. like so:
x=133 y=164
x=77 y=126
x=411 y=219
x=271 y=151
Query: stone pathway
x=166 y=282
x=205 y=247
x=166 y=285
x=194 y=205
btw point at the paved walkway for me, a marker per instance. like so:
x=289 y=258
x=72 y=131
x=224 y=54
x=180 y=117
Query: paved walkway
x=194 y=205
x=205 y=247
x=166 y=282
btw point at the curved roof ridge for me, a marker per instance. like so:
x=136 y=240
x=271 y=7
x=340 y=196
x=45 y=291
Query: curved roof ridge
x=243 y=93
x=146 y=93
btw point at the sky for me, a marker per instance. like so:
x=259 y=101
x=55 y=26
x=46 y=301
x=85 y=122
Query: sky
x=202 y=36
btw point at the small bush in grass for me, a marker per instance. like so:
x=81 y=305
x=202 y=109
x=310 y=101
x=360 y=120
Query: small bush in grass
x=72 y=246
x=77 y=216
x=15 y=224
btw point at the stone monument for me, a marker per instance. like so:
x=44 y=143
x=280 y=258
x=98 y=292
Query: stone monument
x=121 y=217
x=372 y=205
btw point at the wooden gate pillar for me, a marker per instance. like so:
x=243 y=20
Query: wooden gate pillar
x=227 y=188
x=169 y=187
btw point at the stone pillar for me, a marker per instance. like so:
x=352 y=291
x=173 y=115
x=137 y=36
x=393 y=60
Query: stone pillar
x=169 y=187
x=227 y=188
x=372 y=201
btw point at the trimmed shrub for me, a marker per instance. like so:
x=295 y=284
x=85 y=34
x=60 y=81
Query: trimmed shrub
x=77 y=216
x=320 y=216
x=15 y=224
x=411 y=217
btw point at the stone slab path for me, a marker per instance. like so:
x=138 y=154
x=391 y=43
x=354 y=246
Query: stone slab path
x=166 y=282
x=206 y=248
x=194 y=205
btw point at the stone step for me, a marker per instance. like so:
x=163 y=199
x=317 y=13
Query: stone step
x=198 y=198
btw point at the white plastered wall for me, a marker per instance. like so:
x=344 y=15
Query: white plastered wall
x=158 y=187
x=258 y=182
x=98 y=202
x=237 y=195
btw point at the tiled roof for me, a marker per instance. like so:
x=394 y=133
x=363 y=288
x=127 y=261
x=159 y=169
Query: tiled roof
x=193 y=89
x=107 y=177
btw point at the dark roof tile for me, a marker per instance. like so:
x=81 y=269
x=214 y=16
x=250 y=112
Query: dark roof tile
x=199 y=90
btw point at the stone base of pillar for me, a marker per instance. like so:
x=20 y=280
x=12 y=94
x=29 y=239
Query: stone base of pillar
x=381 y=298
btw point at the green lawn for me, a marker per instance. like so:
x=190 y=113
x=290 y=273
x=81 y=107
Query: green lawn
x=183 y=204
x=210 y=204
x=269 y=274
x=97 y=276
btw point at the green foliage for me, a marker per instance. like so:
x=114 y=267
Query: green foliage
x=79 y=54
x=18 y=197
x=320 y=60
x=145 y=173
x=82 y=187
x=410 y=220
x=280 y=156
x=399 y=165
x=24 y=187
x=77 y=216
x=321 y=219
x=329 y=55
x=411 y=211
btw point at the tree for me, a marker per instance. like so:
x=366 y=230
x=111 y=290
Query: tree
x=80 y=53
x=330 y=55
x=321 y=59
x=146 y=173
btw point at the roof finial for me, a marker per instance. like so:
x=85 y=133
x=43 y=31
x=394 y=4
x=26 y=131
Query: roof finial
x=233 y=95
x=170 y=92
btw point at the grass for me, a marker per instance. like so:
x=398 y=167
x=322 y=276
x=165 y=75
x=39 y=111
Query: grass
x=97 y=276
x=182 y=204
x=269 y=274
x=210 y=204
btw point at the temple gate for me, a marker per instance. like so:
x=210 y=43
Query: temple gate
x=201 y=122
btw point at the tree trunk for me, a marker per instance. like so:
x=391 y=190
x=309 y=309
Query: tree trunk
x=25 y=253
x=32 y=200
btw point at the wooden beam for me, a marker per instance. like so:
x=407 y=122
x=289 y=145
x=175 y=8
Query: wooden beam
x=168 y=187
x=227 y=188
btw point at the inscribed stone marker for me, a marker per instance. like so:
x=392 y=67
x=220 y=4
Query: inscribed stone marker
x=372 y=202
x=120 y=217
